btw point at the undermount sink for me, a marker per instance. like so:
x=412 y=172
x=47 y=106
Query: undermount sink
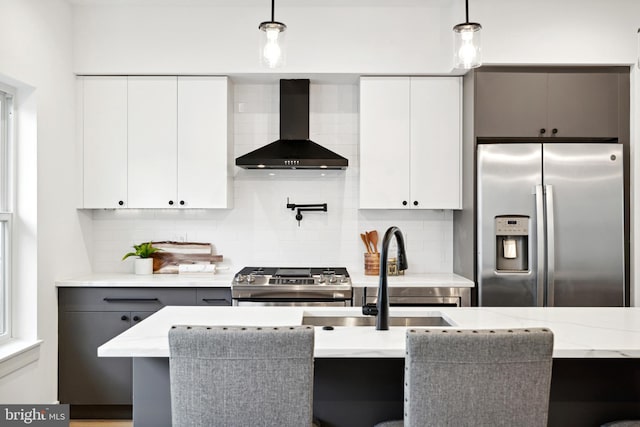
x=371 y=321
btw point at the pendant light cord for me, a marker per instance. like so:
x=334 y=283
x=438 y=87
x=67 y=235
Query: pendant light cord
x=273 y=6
x=466 y=8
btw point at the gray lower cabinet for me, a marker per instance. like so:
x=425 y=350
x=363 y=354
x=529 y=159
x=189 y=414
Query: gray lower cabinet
x=213 y=296
x=89 y=317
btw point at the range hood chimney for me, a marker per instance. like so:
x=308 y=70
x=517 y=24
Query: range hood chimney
x=293 y=150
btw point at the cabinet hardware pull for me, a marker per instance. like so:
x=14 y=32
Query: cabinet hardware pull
x=215 y=299
x=120 y=202
x=124 y=318
x=554 y=131
x=136 y=318
x=543 y=131
x=181 y=202
x=404 y=203
x=171 y=202
x=109 y=299
x=415 y=203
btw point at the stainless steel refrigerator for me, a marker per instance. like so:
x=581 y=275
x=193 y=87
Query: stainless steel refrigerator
x=550 y=224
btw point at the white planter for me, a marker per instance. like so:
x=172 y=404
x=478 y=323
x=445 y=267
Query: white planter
x=143 y=265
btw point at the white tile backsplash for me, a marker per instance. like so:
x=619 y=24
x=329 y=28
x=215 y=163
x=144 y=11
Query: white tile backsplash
x=259 y=230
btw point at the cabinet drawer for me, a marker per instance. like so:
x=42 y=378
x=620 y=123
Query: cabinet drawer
x=123 y=299
x=213 y=296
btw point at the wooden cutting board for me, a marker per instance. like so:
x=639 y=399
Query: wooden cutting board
x=173 y=254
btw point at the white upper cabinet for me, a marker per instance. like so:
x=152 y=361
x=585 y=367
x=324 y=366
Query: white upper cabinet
x=103 y=113
x=436 y=136
x=384 y=142
x=204 y=150
x=410 y=136
x=156 y=142
x=153 y=148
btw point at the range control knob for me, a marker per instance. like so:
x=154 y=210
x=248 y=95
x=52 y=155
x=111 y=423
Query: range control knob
x=251 y=278
x=344 y=279
x=322 y=278
x=333 y=279
x=240 y=278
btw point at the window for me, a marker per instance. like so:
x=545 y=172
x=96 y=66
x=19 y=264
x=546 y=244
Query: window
x=6 y=136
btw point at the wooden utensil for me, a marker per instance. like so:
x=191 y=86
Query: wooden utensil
x=366 y=242
x=373 y=238
x=366 y=233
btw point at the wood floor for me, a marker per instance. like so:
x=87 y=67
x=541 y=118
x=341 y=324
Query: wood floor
x=101 y=423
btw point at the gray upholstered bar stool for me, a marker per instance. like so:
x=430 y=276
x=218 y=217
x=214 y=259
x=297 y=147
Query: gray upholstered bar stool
x=477 y=378
x=241 y=376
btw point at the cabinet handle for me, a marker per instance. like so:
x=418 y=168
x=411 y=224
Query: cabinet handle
x=120 y=202
x=136 y=318
x=415 y=203
x=124 y=317
x=543 y=131
x=171 y=202
x=110 y=299
x=181 y=202
x=554 y=131
x=215 y=300
x=404 y=203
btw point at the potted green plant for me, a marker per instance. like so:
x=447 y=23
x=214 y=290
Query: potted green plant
x=144 y=263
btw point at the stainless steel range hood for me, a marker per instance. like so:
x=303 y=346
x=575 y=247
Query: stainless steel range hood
x=293 y=150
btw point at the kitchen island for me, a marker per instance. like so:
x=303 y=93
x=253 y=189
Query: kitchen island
x=358 y=370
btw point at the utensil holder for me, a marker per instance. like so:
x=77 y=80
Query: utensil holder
x=371 y=264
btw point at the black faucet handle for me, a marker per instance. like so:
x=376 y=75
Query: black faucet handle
x=370 y=309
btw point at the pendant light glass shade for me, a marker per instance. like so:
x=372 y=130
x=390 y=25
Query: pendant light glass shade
x=467 y=48
x=272 y=52
x=272 y=43
x=467 y=51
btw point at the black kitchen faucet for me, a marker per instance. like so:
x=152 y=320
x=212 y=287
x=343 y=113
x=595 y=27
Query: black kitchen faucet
x=381 y=310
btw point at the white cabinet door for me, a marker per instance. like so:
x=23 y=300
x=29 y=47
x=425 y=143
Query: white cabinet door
x=204 y=150
x=384 y=142
x=152 y=132
x=104 y=135
x=410 y=136
x=435 y=142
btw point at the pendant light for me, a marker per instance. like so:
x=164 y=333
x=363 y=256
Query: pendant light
x=272 y=41
x=467 y=50
x=638 y=47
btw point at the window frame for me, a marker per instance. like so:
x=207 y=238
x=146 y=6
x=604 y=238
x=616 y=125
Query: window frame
x=7 y=98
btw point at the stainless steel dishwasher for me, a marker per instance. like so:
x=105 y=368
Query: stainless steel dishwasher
x=415 y=296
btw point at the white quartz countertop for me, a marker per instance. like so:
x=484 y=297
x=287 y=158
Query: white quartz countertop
x=224 y=278
x=578 y=332
x=219 y=279
x=422 y=280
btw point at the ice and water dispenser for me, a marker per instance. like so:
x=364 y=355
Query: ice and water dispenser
x=512 y=243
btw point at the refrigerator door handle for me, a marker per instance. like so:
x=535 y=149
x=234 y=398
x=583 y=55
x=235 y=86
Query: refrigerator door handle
x=540 y=245
x=551 y=266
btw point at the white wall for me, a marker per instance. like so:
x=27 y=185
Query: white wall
x=259 y=230
x=404 y=37
x=558 y=32
x=35 y=57
x=200 y=37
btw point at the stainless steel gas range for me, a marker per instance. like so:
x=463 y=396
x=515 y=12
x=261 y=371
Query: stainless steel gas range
x=292 y=286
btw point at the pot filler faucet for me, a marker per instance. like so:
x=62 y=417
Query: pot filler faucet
x=382 y=320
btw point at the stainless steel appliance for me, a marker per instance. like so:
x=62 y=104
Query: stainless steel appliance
x=292 y=286
x=550 y=224
x=416 y=296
